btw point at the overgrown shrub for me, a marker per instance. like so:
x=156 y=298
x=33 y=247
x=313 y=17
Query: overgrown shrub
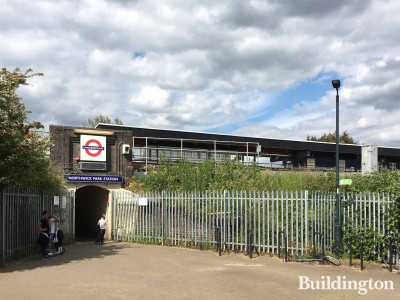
x=384 y=182
x=371 y=241
x=228 y=175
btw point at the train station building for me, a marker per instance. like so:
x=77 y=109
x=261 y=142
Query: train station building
x=97 y=161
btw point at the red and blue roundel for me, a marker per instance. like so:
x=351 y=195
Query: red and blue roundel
x=93 y=148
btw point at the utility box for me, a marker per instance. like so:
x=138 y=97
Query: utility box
x=369 y=159
x=342 y=165
x=310 y=163
x=126 y=148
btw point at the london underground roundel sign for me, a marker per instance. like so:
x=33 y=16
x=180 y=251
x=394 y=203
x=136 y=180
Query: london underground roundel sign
x=89 y=148
x=93 y=148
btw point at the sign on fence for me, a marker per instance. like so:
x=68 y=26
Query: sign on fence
x=142 y=201
x=63 y=202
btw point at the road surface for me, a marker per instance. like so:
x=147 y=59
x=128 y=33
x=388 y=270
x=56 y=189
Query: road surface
x=135 y=271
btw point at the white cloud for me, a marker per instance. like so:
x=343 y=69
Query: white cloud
x=207 y=64
x=150 y=99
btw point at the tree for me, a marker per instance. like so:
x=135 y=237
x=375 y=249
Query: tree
x=345 y=138
x=93 y=121
x=23 y=160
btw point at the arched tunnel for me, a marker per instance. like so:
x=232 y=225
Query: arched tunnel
x=90 y=204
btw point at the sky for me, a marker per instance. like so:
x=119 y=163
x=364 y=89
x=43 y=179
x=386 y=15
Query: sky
x=254 y=68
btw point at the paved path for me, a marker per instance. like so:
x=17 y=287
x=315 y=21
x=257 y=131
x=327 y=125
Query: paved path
x=134 y=271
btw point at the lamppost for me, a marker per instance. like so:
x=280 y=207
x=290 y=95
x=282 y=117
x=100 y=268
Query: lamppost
x=338 y=226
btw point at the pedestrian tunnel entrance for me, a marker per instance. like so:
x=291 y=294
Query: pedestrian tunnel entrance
x=90 y=204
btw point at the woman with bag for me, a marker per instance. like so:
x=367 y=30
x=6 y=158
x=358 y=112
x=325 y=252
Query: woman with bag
x=44 y=236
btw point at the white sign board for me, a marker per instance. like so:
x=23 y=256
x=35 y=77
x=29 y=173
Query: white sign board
x=142 y=201
x=63 y=202
x=56 y=200
x=93 y=148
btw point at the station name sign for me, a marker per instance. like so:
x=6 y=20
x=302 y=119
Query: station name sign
x=92 y=178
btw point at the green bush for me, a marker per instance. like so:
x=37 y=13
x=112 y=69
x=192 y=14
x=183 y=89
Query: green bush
x=385 y=182
x=228 y=175
x=371 y=241
x=231 y=175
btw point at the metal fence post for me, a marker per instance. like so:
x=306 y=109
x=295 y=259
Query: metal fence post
x=3 y=225
x=249 y=245
x=314 y=245
x=225 y=213
x=162 y=218
x=218 y=240
x=280 y=244
x=391 y=256
x=306 y=219
x=112 y=214
x=350 y=244
x=362 y=254
x=72 y=215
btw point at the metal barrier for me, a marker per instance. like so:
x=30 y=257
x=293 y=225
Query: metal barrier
x=279 y=245
x=393 y=243
x=321 y=235
x=218 y=239
x=249 y=246
x=323 y=259
x=350 y=244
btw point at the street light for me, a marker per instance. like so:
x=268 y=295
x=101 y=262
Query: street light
x=338 y=226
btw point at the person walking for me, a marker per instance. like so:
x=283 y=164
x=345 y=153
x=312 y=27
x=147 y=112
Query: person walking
x=102 y=230
x=44 y=236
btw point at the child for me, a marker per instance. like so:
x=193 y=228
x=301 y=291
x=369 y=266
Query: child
x=102 y=225
x=52 y=227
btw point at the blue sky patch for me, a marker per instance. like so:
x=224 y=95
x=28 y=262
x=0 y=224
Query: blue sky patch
x=138 y=54
x=310 y=90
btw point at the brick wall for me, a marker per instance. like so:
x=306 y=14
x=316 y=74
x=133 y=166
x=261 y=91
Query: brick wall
x=66 y=146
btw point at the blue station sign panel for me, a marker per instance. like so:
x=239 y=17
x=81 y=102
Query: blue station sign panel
x=92 y=178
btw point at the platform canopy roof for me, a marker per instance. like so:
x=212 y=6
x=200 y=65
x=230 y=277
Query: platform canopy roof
x=281 y=144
